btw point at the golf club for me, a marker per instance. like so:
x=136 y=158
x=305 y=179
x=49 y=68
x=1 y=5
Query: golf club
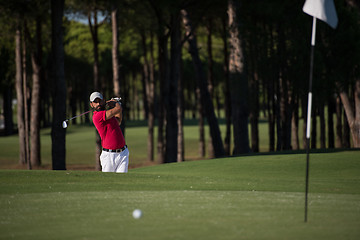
x=64 y=124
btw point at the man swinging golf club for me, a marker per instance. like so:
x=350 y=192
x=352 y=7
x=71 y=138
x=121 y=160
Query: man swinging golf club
x=115 y=154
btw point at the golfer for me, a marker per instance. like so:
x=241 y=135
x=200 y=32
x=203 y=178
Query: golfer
x=115 y=154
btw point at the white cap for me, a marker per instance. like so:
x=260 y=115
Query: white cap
x=95 y=95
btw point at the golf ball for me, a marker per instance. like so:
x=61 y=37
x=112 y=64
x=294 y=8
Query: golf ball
x=137 y=213
x=64 y=124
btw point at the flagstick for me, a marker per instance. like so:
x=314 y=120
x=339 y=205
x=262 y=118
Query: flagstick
x=308 y=127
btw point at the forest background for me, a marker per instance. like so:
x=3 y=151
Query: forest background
x=242 y=61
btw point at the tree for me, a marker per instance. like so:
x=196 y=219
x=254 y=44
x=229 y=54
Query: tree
x=25 y=89
x=20 y=96
x=172 y=90
x=115 y=49
x=227 y=94
x=92 y=16
x=115 y=63
x=163 y=61
x=149 y=86
x=265 y=54
x=238 y=83
x=38 y=14
x=351 y=69
x=210 y=73
x=91 y=9
x=353 y=112
x=203 y=86
x=30 y=44
x=254 y=79
x=59 y=86
x=36 y=59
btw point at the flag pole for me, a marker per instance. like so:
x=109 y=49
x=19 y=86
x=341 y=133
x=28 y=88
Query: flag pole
x=308 y=123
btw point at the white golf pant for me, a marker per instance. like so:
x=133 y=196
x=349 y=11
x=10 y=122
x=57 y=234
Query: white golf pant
x=115 y=162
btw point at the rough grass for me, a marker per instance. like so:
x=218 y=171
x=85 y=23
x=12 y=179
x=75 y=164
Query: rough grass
x=252 y=197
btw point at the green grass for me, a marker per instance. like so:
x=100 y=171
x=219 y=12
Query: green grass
x=249 y=197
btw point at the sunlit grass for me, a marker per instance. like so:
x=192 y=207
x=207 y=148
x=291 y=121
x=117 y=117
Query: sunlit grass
x=248 y=197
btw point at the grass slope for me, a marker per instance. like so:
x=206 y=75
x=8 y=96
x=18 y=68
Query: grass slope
x=255 y=197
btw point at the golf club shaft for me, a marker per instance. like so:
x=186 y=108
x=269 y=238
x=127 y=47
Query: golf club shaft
x=77 y=116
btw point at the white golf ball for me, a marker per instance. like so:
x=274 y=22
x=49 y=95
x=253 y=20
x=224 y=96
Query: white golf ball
x=137 y=213
x=64 y=124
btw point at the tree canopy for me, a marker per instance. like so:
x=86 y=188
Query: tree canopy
x=275 y=42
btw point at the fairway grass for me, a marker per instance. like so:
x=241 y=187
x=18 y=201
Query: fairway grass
x=252 y=197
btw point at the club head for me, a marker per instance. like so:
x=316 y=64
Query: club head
x=64 y=124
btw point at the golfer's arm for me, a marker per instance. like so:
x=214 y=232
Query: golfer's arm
x=113 y=112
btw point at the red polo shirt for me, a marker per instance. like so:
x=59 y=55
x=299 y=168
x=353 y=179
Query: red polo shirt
x=109 y=130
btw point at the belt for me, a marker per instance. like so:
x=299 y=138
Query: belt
x=115 y=150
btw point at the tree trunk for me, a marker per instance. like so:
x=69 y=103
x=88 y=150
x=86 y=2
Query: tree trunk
x=210 y=79
x=145 y=80
x=271 y=114
x=355 y=124
x=238 y=83
x=201 y=123
x=254 y=111
x=162 y=37
x=227 y=106
x=163 y=76
x=171 y=101
x=145 y=76
x=253 y=69
x=59 y=92
x=149 y=93
x=295 y=126
x=26 y=93
x=36 y=59
x=145 y=84
x=151 y=101
x=339 y=135
x=271 y=99
x=353 y=113
x=94 y=35
x=115 y=60
x=284 y=95
x=330 y=123
x=346 y=132
x=115 y=51
x=289 y=110
x=204 y=91
x=20 y=97
x=322 y=126
x=180 y=120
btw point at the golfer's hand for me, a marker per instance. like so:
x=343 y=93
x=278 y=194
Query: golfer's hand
x=110 y=104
